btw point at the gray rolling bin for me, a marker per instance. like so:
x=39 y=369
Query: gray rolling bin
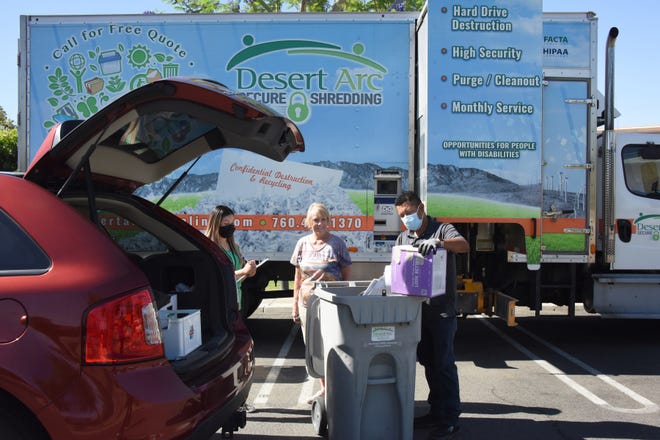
x=365 y=347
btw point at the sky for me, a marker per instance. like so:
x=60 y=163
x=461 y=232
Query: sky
x=636 y=50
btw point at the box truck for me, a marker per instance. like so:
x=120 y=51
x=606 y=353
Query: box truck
x=491 y=112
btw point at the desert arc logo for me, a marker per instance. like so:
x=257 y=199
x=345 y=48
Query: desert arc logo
x=648 y=224
x=308 y=47
x=308 y=88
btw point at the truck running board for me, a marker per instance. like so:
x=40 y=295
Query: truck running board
x=627 y=295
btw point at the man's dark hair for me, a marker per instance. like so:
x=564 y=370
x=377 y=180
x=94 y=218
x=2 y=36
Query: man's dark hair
x=408 y=197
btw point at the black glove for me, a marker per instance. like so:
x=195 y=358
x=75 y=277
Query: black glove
x=428 y=246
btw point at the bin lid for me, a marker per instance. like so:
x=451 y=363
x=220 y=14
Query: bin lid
x=371 y=309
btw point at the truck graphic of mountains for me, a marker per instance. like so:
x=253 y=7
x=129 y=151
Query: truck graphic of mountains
x=446 y=179
x=443 y=179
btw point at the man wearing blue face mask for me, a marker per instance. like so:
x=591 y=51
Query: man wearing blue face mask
x=435 y=351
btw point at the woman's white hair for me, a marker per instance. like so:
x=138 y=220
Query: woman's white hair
x=316 y=208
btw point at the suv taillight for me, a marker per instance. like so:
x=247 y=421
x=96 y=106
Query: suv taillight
x=122 y=330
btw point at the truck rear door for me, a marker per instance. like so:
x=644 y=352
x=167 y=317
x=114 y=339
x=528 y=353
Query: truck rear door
x=566 y=141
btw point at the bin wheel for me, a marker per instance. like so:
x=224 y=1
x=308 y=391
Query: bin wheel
x=319 y=416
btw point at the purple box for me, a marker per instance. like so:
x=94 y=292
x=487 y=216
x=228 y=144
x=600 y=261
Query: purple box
x=413 y=274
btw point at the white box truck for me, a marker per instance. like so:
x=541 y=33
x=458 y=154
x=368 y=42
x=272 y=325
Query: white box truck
x=490 y=112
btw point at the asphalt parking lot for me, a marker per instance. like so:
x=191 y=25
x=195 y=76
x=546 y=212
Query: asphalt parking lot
x=551 y=377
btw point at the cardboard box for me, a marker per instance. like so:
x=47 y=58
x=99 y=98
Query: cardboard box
x=413 y=274
x=181 y=331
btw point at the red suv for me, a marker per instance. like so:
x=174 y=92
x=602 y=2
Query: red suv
x=92 y=345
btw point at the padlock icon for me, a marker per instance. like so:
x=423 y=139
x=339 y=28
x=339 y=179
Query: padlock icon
x=298 y=110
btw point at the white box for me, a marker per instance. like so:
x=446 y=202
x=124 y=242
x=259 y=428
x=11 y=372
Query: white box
x=181 y=331
x=414 y=274
x=170 y=307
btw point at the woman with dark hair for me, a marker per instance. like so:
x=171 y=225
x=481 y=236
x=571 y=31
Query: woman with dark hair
x=221 y=230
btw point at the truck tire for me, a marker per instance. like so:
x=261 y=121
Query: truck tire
x=320 y=416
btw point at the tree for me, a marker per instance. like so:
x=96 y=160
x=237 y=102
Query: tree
x=8 y=143
x=252 y=6
x=5 y=122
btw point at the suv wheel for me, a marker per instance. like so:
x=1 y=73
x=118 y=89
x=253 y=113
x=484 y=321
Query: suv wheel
x=16 y=423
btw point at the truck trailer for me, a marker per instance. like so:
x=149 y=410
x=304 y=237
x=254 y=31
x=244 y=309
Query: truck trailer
x=491 y=112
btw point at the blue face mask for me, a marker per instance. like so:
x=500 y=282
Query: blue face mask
x=412 y=222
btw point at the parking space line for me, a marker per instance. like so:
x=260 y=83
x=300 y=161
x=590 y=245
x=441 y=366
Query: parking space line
x=647 y=405
x=271 y=378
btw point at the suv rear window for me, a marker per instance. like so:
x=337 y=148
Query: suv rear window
x=128 y=235
x=19 y=254
x=152 y=136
